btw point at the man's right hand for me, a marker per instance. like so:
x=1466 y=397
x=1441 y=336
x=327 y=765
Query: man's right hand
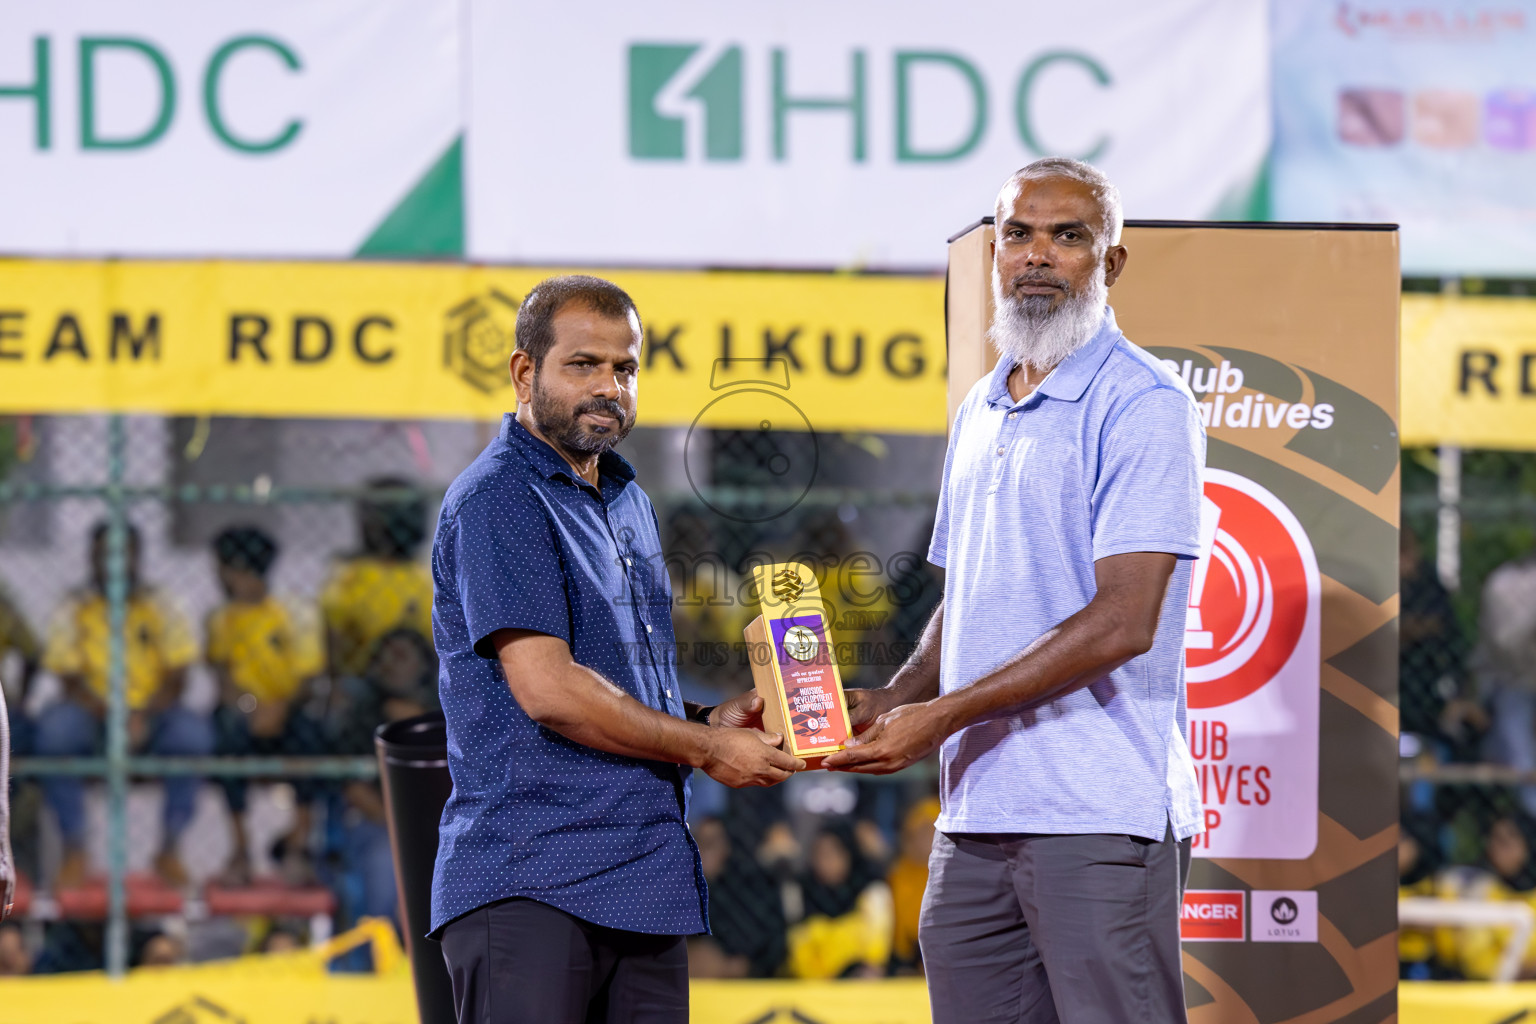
x=864 y=706
x=747 y=757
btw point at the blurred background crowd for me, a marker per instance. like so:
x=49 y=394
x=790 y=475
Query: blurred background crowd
x=290 y=628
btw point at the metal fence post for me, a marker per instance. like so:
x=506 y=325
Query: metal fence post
x=1448 y=522
x=117 y=701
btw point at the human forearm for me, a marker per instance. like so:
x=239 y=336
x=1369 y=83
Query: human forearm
x=1119 y=623
x=915 y=682
x=584 y=707
x=918 y=678
x=571 y=699
x=1083 y=648
x=171 y=687
x=77 y=692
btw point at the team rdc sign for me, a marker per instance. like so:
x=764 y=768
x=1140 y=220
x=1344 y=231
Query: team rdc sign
x=1252 y=642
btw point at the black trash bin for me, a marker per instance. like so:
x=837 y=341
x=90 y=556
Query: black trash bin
x=413 y=765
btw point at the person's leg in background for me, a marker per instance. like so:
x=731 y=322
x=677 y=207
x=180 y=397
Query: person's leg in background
x=178 y=732
x=303 y=736
x=232 y=738
x=65 y=729
x=374 y=868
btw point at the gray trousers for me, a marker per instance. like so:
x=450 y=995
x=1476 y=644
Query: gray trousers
x=1040 y=929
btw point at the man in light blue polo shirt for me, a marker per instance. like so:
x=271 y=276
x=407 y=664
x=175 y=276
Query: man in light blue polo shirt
x=1052 y=676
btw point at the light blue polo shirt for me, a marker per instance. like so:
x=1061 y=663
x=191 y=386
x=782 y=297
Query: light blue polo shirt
x=1105 y=457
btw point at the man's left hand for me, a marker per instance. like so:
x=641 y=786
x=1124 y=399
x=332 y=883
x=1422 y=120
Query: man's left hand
x=898 y=738
x=744 y=711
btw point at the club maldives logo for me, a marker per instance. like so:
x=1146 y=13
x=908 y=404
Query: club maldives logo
x=1249 y=594
x=1253 y=668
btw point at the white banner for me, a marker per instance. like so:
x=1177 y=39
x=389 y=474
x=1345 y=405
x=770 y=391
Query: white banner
x=1422 y=114
x=814 y=134
x=189 y=128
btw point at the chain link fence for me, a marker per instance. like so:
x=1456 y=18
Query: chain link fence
x=1468 y=698
x=203 y=620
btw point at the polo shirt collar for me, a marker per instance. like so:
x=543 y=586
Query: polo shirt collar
x=1071 y=377
x=548 y=461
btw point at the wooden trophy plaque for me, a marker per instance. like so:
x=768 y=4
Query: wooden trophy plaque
x=793 y=663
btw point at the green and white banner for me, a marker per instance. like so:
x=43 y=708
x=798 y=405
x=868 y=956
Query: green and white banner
x=861 y=133
x=688 y=133
x=237 y=128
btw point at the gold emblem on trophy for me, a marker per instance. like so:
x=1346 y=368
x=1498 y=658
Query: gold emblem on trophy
x=787 y=585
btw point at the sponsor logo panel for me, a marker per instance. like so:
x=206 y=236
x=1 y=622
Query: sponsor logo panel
x=1212 y=915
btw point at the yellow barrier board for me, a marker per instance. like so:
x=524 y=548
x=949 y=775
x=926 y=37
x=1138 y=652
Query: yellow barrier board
x=238 y=995
x=1464 y=1002
x=412 y=341
x=271 y=991
x=431 y=341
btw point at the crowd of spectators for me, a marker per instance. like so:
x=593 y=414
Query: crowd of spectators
x=1466 y=702
x=798 y=887
x=293 y=679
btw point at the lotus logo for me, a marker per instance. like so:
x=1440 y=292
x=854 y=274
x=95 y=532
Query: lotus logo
x=787 y=585
x=478 y=337
x=1283 y=910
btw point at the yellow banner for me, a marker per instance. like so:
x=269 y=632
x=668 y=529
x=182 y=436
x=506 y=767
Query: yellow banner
x=833 y=352
x=431 y=341
x=251 y=992
x=254 y=992
x=1469 y=371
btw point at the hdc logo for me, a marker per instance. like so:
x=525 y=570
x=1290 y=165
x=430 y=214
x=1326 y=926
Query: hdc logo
x=674 y=86
x=656 y=119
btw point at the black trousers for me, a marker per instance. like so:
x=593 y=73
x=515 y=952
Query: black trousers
x=524 y=962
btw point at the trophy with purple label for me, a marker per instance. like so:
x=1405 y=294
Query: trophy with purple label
x=793 y=665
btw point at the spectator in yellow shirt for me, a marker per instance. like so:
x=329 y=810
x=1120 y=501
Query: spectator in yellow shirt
x=846 y=932
x=1509 y=876
x=383 y=588
x=158 y=648
x=264 y=660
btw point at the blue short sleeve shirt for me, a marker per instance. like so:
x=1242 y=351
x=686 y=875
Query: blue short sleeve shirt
x=523 y=543
x=1105 y=457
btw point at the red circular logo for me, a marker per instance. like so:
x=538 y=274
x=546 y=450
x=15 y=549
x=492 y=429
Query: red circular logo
x=1248 y=594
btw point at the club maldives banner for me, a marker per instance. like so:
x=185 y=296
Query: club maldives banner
x=1420 y=112
x=185 y=128
x=853 y=134
x=1291 y=626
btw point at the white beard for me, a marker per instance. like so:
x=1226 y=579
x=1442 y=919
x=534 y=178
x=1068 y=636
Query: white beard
x=1028 y=331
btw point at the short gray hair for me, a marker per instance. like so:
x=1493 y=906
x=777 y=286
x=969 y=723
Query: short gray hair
x=1104 y=190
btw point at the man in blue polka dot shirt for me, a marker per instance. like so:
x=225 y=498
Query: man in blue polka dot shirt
x=566 y=878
